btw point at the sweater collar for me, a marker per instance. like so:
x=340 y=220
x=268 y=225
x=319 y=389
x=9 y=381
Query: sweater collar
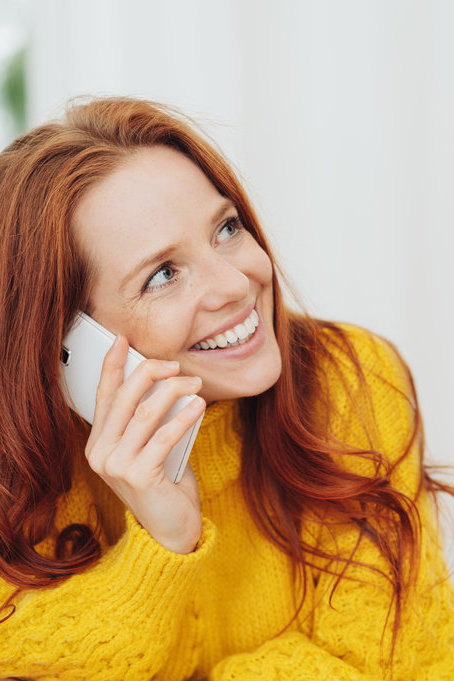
x=216 y=454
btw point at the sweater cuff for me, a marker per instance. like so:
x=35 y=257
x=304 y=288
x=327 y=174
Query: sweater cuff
x=136 y=536
x=138 y=564
x=203 y=546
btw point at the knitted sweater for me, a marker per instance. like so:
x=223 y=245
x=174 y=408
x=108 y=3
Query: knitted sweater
x=143 y=612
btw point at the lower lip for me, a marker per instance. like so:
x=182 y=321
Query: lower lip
x=236 y=351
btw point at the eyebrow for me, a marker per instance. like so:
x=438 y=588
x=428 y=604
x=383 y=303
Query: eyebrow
x=169 y=251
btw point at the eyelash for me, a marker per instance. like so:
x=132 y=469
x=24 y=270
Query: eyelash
x=233 y=221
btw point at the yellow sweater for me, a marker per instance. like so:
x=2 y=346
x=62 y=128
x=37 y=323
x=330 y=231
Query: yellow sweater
x=143 y=612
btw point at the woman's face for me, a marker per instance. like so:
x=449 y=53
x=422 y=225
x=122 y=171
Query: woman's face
x=212 y=277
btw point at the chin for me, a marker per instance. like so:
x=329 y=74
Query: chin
x=249 y=388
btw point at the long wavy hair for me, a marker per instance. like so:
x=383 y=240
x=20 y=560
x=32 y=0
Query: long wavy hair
x=44 y=281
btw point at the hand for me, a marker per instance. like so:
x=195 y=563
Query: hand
x=128 y=450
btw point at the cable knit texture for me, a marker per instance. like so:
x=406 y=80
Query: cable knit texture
x=143 y=612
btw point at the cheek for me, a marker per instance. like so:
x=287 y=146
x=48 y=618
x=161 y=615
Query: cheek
x=162 y=334
x=260 y=266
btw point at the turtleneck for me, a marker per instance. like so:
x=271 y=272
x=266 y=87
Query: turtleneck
x=216 y=454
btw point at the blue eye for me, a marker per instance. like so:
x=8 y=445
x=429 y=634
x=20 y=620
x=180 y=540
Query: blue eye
x=234 y=222
x=165 y=270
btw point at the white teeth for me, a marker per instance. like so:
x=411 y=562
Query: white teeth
x=241 y=331
x=231 y=336
x=221 y=340
x=236 y=336
x=250 y=326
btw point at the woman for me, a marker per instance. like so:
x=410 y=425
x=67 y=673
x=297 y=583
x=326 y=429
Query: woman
x=301 y=542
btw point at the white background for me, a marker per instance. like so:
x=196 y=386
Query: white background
x=339 y=117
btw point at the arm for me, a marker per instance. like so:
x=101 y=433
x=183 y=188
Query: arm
x=126 y=612
x=291 y=656
x=345 y=643
x=80 y=624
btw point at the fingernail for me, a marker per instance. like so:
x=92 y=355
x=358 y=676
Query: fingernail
x=171 y=365
x=196 y=380
x=116 y=341
x=195 y=403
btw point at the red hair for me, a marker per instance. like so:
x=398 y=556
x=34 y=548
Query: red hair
x=44 y=281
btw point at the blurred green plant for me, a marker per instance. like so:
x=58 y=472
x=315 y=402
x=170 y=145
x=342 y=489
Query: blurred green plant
x=13 y=91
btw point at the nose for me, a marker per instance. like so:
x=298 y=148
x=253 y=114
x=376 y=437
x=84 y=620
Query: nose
x=218 y=282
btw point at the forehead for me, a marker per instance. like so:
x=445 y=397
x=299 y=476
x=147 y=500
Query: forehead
x=152 y=198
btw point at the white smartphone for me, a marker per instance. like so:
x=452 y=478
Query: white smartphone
x=83 y=352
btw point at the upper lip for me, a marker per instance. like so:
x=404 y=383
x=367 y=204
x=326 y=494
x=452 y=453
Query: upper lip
x=238 y=319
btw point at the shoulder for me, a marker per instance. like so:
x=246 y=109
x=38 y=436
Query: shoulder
x=374 y=401
x=368 y=367
x=377 y=355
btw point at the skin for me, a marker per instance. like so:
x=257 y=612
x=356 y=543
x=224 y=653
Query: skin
x=158 y=198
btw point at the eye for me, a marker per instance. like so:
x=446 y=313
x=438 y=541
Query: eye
x=163 y=275
x=234 y=223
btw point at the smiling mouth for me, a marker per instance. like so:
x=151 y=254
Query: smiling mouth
x=238 y=335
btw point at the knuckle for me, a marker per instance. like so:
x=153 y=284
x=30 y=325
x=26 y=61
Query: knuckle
x=120 y=397
x=163 y=435
x=112 y=469
x=101 y=393
x=183 y=416
x=142 y=412
x=111 y=362
x=96 y=468
x=94 y=457
x=90 y=450
x=89 y=443
x=149 y=367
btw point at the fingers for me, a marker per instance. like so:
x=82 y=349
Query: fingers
x=143 y=425
x=136 y=465
x=128 y=446
x=111 y=379
x=151 y=411
x=125 y=402
x=116 y=399
x=148 y=463
x=123 y=424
